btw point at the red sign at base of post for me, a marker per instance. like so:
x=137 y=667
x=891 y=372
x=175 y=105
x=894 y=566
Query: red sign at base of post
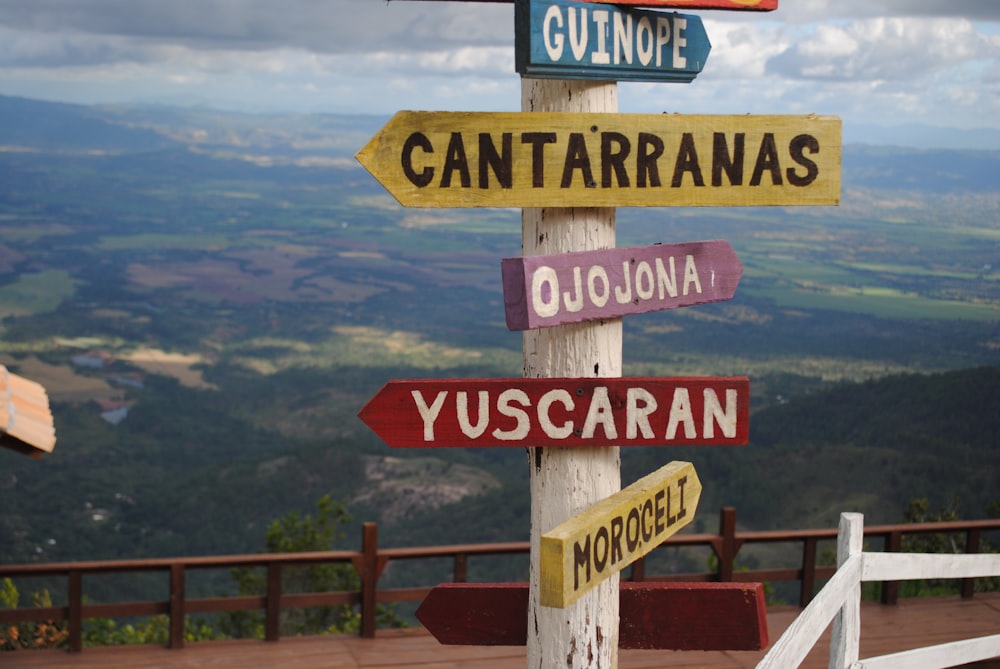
x=654 y=615
x=628 y=411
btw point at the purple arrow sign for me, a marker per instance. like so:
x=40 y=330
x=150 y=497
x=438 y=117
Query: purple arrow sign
x=543 y=291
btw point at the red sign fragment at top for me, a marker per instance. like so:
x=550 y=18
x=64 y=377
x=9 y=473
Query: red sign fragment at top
x=736 y=5
x=732 y=5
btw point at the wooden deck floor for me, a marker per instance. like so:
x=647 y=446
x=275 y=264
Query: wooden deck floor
x=885 y=629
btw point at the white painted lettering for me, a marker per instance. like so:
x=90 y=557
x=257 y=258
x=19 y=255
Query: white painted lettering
x=680 y=412
x=624 y=296
x=482 y=414
x=601 y=56
x=644 y=284
x=575 y=304
x=545 y=420
x=636 y=416
x=662 y=38
x=543 y=277
x=666 y=282
x=553 y=42
x=623 y=38
x=680 y=41
x=578 y=33
x=429 y=414
x=599 y=412
x=714 y=412
x=520 y=415
x=596 y=273
x=691 y=275
x=645 y=43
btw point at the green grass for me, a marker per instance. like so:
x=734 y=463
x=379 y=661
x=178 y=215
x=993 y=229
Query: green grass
x=875 y=301
x=151 y=241
x=36 y=293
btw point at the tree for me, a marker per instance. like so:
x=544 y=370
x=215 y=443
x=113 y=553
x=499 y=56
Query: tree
x=918 y=511
x=295 y=534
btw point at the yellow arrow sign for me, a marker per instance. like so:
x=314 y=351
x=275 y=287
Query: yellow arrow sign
x=588 y=548
x=566 y=159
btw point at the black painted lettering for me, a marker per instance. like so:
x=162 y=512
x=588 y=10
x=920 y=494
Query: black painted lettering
x=767 y=161
x=615 y=148
x=456 y=160
x=577 y=159
x=501 y=163
x=601 y=549
x=658 y=513
x=632 y=539
x=650 y=150
x=687 y=161
x=671 y=519
x=647 y=517
x=417 y=140
x=617 y=527
x=723 y=161
x=681 y=482
x=797 y=148
x=538 y=140
x=581 y=558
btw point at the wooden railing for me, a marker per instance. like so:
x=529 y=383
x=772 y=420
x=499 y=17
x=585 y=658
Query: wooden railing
x=840 y=602
x=371 y=561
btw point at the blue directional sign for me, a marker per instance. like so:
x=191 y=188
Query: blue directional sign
x=566 y=39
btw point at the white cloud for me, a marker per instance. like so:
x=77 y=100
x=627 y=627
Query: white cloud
x=883 y=49
x=930 y=61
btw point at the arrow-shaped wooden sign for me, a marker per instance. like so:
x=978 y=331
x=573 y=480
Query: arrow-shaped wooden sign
x=630 y=411
x=567 y=159
x=592 y=546
x=543 y=291
x=661 y=616
x=567 y=39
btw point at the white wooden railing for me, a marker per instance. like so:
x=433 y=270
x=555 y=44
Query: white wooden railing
x=840 y=601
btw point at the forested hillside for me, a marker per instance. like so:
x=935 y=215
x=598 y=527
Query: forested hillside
x=210 y=298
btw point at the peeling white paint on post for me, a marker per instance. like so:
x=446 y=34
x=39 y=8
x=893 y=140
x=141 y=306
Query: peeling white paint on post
x=565 y=482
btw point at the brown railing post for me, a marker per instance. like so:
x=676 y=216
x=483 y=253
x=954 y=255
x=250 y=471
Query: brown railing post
x=972 y=536
x=890 y=589
x=369 y=579
x=638 y=570
x=461 y=569
x=727 y=532
x=272 y=622
x=75 y=597
x=808 y=587
x=176 y=605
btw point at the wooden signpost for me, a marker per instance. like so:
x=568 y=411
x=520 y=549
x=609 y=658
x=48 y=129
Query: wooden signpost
x=660 y=616
x=567 y=163
x=587 y=549
x=566 y=39
x=556 y=159
x=543 y=291
x=576 y=412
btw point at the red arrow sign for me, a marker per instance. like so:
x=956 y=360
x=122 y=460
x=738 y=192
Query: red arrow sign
x=543 y=291
x=663 y=616
x=635 y=411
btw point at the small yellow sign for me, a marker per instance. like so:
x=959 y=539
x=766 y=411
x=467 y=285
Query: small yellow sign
x=587 y=549
x=569 y=159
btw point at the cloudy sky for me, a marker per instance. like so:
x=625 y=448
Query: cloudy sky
x=881 y=62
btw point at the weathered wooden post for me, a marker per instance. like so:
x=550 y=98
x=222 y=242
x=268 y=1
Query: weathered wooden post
x=565 y=481
x=568 y=159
